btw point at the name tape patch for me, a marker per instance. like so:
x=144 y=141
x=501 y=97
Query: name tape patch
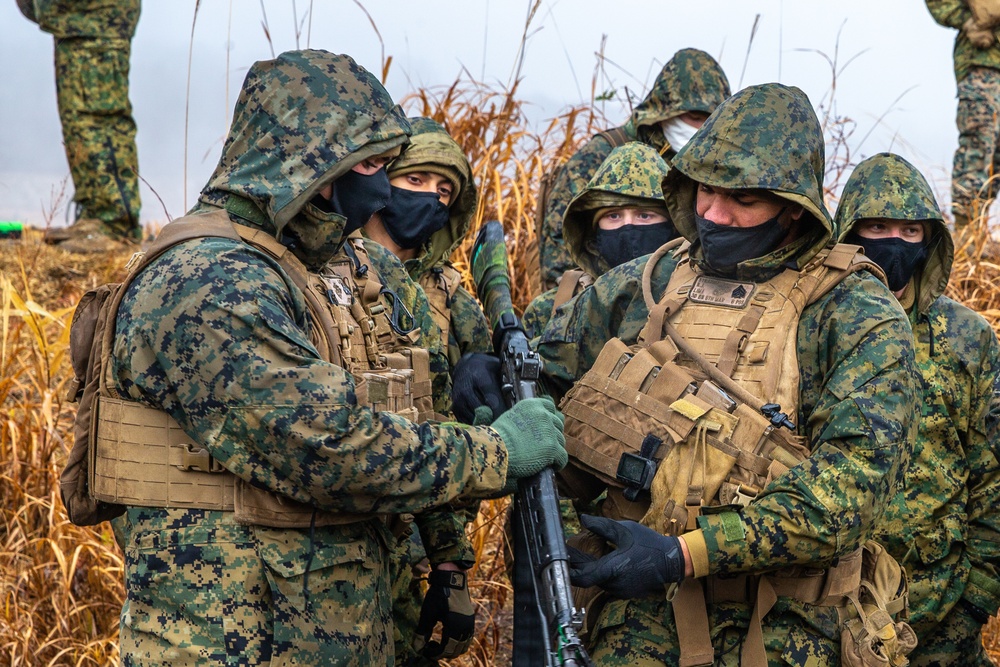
x=721 y=292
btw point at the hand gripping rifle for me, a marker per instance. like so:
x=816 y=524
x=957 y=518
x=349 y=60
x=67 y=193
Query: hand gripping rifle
x=545 y=622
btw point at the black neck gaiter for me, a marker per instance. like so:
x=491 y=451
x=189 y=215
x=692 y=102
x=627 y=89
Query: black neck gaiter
x=412 y=217
x=357 y=197
x=621 y=245
x=898 y=258
x=725 y=247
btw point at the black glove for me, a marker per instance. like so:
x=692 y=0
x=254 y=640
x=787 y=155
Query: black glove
x=475 y=382
x=641 y=565
x=447 y=602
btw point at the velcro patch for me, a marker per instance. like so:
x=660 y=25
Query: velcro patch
x=720 y=292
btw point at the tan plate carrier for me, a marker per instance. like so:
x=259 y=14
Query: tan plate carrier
x=137 y=455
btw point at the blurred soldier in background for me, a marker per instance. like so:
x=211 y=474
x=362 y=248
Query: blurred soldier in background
x=944 y=525
x=686 y=91
x=977 y=69
x=92 y=51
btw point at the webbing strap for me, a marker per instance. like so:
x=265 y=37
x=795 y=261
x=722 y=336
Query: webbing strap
x=691 y=619
x=753 y=653
x=567 y=287
x=737 y=338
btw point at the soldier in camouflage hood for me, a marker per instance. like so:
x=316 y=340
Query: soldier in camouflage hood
x=943 y=525
x=229 y=334
x=689 y=88
x=424 y=232
x=597 y=235
x=429 y=214
x=746 y=193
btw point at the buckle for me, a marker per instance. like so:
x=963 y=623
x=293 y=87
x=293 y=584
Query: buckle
x=636 y=473
x=196 y=458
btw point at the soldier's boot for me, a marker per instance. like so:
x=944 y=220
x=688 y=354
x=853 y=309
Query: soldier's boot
x=88 y=236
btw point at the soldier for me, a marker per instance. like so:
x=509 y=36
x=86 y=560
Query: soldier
x=687 y=90
x=977 y=71
x=943 y=526
x=745 y=399
x=93 y=43
x=256 y=329
x=619 y=216
x=430 y=212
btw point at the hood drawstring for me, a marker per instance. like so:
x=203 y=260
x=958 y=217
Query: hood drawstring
x=930 y=332
x=309 y=559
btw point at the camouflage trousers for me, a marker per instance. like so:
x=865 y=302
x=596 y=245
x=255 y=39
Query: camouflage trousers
x=642 y=633
x=976 y=167
x=408 y=569
x=956 y=640
x=98 y=129
x=204 y=590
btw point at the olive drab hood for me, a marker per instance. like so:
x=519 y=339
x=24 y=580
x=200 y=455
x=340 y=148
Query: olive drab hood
x=887 y=186
x=690 y=81
x=432 y=149
x=301 y=121
x=765 y=137
x=630 y=176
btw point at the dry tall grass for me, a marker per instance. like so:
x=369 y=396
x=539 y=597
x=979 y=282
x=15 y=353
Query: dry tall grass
x=61 y=586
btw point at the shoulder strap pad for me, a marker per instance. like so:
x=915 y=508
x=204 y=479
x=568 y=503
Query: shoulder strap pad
x=834 y=264
x=615 y=136
x=570 y=284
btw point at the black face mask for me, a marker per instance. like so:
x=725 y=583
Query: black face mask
x=724 y=247
x=898 y=258
x=412 y=217
x=618 y=246
x=357 y=197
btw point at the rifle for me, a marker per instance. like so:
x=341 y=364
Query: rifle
x=545 y=621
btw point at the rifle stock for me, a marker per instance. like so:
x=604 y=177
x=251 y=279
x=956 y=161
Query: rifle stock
x=546 y=624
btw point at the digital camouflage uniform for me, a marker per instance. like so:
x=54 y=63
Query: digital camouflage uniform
x=630 y=176
x=442 y=531
x=856 y=393
x=977 y=72
x=216 y=334
x=690 y=81
x=92 y=50
x=944 y=526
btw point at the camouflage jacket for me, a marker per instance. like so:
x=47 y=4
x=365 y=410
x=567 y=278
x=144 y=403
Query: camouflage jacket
x=857 y=381
x=954 y=14
x=215 y=334
x=630 y=176
x=690 y=81
x=87 y=18
x=944 y=525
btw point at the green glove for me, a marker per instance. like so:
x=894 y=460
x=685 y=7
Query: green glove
x=533 y=433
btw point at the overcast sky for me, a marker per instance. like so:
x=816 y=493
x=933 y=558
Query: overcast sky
x=896 y=79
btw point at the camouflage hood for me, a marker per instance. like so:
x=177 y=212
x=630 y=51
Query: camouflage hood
x=432 y=149
x=630 y=176
x=887 y=186
x=301 y=121
x=765 y=137
x=690 y=81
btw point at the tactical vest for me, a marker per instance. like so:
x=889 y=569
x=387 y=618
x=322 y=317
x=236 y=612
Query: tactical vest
x=440 y=284
x=571 y=283
x=698 y=414
x=139 y=455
